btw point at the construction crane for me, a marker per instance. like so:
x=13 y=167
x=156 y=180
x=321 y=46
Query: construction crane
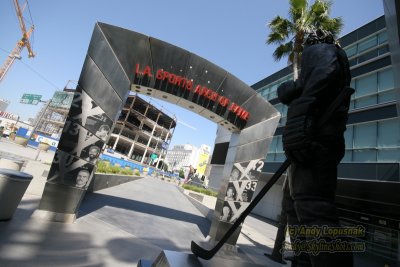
x=24 y=42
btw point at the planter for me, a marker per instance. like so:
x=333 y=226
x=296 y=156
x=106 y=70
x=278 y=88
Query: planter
x=44 y=146
x=21 y=140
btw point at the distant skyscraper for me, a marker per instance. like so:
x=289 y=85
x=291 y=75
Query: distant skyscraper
x=181 y=156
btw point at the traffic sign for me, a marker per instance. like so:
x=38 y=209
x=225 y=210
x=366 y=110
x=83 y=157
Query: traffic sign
x=154 y=156
x=30 y=99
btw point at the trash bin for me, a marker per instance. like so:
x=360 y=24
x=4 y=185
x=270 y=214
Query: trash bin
x=13 y=185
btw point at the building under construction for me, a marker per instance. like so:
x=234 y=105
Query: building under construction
x=142 y=132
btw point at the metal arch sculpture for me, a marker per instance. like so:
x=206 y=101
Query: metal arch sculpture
x=119 y=61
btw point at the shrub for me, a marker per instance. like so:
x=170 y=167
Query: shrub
x=126 y=171
x=112 y=169
x=181 y=173
x=200 y=190
x=102 y=166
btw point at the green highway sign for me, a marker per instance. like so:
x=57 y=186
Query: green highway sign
x=154 y=156
x=30 y=99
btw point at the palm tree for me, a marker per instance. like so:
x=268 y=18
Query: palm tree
x=289 y=34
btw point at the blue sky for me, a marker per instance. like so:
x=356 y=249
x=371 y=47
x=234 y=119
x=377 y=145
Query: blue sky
x=229 y=33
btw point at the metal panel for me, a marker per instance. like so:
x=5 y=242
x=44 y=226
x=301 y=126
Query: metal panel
x=223 y=135
x=231 y=154
x=212 y=116
x=78 y=141
x=130 y=48
x=205 y=73
x=232 y=88
x=92 y=81
x=66 y=169
x=170 y=98
x=61 y=198
x=171 y=59
x=259 y=109
x=106 y=60
x=259 y=131
x=253 y=150
x=85 y=111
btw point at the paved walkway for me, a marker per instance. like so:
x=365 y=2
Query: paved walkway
x=117 y=227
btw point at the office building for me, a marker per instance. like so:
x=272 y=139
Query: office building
x=369 y=181
x=182 y=156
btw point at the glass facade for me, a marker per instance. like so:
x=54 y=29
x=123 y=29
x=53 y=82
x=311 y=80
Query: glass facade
x=372 y=141
x=370 y=167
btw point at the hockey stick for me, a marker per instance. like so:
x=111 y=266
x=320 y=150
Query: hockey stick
x=208 y=254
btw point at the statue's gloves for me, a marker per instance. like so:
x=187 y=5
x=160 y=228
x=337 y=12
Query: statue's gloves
x=288 y=91
x=299 y=132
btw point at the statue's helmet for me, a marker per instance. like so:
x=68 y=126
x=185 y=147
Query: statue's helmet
x=318 y=36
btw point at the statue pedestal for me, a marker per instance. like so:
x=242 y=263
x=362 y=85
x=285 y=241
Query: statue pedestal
x=169 y=258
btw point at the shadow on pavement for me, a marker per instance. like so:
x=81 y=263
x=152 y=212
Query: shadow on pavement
x=35 y=243
x=96 y=201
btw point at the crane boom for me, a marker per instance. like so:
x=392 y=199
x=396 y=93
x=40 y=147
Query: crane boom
x=24 y=42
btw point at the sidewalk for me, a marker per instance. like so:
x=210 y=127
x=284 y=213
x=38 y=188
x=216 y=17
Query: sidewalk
x=117 y=228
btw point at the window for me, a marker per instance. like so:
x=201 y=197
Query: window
x=385 y=79
x=280 y=157
x=365 y=101
x=270 y=157
x=386 y=96
x=364 y=155
x=279 y=145
x=351 y=51
x=348 y=137
x=388 y=155
x=366 y=85
x=382 y=37
x=353 y=62
x=368 y=43
x=348 y=154
x=383 y=50
x=365 y=135
x=367 y=56
x=389 y=133
x=272 y=147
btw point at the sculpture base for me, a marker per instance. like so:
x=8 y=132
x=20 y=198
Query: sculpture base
x=54 y=216
x=169 y=258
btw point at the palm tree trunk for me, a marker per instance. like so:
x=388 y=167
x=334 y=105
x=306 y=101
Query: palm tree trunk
x=295 y=66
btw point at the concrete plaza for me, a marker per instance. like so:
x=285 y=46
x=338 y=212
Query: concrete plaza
x=117 y=226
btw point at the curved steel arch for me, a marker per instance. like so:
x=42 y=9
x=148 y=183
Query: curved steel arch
x=120 y=60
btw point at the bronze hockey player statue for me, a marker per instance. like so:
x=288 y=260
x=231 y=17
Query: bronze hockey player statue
x=315 y=151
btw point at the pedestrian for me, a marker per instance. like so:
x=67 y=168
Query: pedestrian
x=188 y=175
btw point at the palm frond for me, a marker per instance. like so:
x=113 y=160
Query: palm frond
x=302 y=18
x=275 y=38
x=283 y=50
x=297 y=10
x=278 y=23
